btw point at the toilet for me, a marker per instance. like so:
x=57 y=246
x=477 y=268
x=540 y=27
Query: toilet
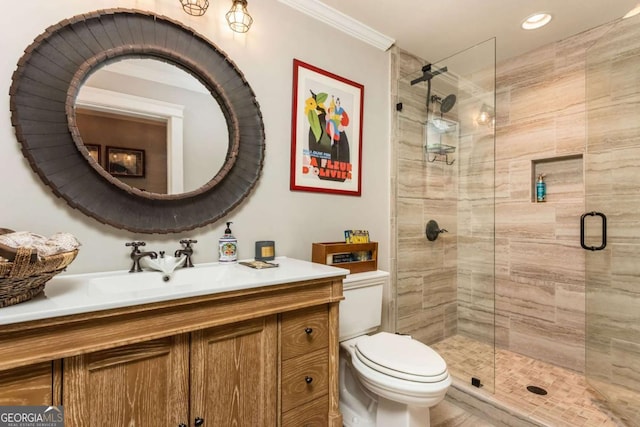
x=386 y=380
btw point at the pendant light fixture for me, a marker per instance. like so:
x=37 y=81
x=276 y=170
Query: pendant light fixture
x=238 y=18
x=195 y=7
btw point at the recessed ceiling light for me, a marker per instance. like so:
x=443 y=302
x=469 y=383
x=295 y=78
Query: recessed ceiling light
x=536 y=20
x=632 y=12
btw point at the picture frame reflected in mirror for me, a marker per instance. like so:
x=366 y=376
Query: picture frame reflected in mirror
x=125 y=162
x=95 y=151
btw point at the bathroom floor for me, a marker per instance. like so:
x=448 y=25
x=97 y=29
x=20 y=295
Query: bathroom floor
x=570 y=401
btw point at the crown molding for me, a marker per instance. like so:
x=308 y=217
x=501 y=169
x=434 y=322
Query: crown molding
x=330 y=16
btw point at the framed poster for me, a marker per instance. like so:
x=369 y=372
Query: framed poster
x=125 y=162
x=326 y=132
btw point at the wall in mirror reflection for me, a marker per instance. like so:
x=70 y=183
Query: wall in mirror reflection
x=125 y=124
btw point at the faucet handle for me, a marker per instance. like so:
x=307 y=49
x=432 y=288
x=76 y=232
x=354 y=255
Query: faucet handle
x=135 y=245
x=187 y=242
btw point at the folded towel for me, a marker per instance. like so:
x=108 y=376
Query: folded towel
x=57 y=243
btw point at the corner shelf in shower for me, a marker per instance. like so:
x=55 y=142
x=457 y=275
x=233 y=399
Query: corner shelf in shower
x=563 y=175
x=440 y=150
x=441 y=125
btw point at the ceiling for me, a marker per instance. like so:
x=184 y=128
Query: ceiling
x=435 y=30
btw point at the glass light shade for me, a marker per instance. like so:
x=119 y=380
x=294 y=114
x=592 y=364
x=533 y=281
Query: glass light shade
x=238 y=18
x=632 y=12
x=536 y=20
x=195 y=7
x=486 y=115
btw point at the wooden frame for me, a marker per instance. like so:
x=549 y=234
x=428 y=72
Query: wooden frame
x=125 y=162
x=326 y=132
x=95 y=151
x=60 y=158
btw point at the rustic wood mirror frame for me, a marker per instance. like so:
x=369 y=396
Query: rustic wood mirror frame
x=43 y=92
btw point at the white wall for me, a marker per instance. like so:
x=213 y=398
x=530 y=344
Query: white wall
x=265 y=54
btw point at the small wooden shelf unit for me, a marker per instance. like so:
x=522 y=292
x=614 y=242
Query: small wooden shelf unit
x=346 y=255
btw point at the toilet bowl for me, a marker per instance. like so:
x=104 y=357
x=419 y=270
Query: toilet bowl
x=386 y=380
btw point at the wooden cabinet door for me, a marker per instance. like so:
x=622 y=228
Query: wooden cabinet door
x=139 y=385
x=234 y=374
x=27 y=385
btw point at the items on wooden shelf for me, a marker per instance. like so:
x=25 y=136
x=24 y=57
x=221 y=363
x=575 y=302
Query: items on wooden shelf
x=356 y=257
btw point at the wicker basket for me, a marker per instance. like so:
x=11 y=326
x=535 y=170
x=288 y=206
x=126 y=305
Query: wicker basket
x=25 y=276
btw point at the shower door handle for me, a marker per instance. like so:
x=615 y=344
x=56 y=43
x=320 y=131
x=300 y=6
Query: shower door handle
x=604 y=231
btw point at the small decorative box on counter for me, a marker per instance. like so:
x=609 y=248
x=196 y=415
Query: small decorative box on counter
x=356 y=257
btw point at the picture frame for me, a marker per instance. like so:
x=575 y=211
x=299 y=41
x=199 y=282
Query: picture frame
x=95 y=151
x=326 y=132
x=127 y=162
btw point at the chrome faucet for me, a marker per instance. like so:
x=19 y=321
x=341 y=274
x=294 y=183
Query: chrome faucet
x=136 y=255
x=186 y=250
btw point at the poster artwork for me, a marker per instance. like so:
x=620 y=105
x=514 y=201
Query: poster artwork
x=326 y=146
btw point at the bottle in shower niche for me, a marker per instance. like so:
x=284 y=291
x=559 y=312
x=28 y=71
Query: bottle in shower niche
x=541 y=189
x=228 y=246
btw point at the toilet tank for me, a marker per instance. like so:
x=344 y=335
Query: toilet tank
x=361 y=309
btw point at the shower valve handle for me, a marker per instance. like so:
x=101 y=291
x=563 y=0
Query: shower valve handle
x=433 y=230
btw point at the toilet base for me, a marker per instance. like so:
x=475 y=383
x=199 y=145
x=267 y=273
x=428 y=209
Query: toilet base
x=396 y=414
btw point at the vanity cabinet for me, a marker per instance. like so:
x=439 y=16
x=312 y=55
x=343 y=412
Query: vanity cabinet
x=225 y=375
x=28 y=385
x=145 y=384
x=258 y=357
x=233 y=374
x=305 y=366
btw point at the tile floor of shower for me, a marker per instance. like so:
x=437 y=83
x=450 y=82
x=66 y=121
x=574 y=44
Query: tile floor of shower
x=570 y=401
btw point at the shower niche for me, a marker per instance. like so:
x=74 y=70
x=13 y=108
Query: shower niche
x=563 y=177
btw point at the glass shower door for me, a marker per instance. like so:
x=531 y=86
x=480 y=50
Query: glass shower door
x=611 y=224
x=444 y=149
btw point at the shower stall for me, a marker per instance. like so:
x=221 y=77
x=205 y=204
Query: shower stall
x=524 y=292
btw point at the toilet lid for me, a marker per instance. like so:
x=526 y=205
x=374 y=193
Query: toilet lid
x=401 y=357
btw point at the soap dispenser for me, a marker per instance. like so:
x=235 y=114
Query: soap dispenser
x=228 y=246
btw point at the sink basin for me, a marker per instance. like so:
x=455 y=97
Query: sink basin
x=211 y=276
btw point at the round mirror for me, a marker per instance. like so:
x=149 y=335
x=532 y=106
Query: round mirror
x=152 y=125
x=46 y=99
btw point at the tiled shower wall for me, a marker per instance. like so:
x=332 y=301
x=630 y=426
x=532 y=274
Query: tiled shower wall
x=444 y=286
x=539 y=265
x=424 y=272
x=540 y=280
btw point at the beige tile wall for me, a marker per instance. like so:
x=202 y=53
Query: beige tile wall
x=424 y=272
x=613 y=317
x=540 y=279
x=443 y=286
x=446 y=287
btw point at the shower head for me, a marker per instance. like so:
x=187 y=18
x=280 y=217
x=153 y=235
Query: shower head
x=446 y=104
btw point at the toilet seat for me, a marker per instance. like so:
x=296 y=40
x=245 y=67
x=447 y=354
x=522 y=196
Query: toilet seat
x=401 y=357
x=393 y=388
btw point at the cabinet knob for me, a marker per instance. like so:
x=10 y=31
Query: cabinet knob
x=308 y=331
x=308 y=380
x=182 y=425
x=198 y=422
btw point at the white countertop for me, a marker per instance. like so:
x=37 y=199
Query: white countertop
x=82 y=293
